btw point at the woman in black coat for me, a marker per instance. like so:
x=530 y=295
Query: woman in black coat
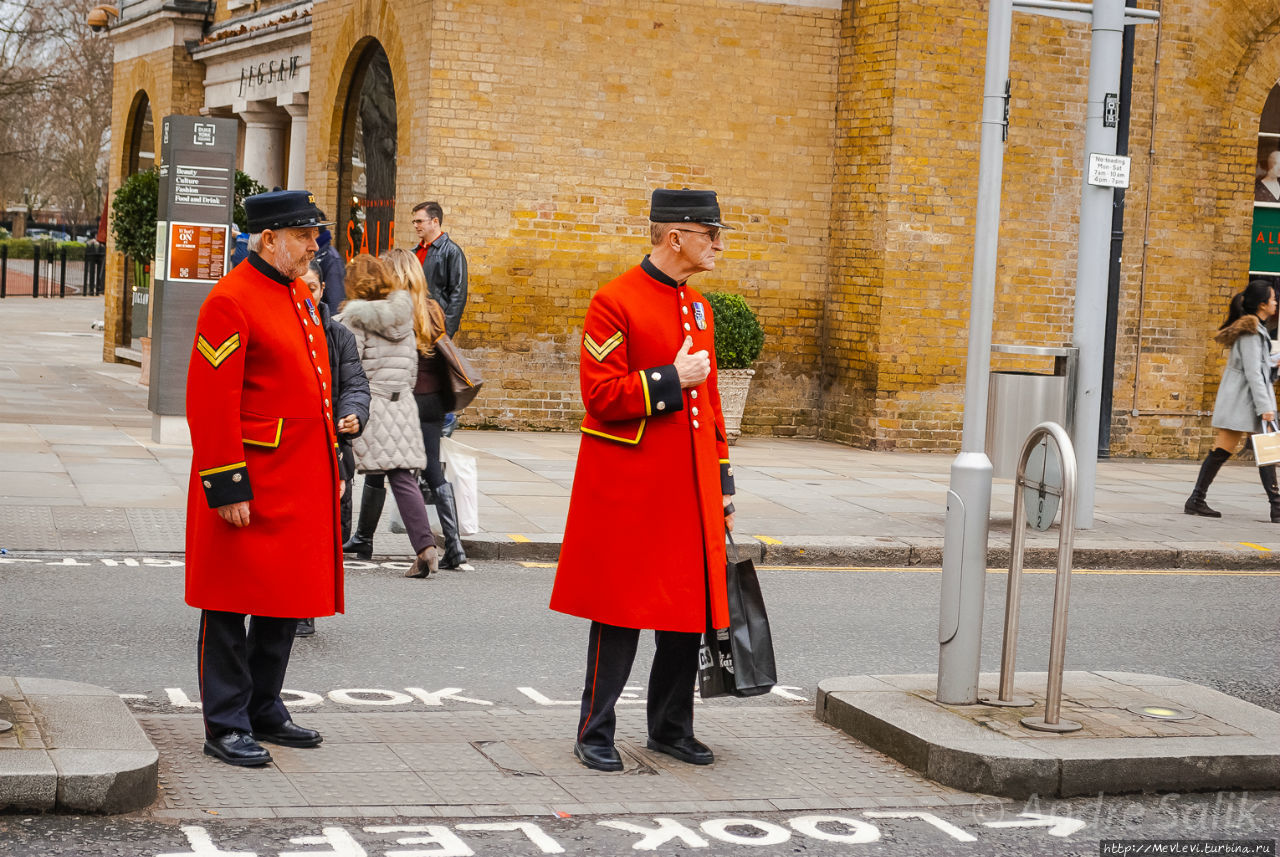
x=350 y=397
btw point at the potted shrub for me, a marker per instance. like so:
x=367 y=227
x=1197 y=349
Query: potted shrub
x=739 y=338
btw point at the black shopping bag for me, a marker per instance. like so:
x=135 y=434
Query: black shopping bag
x=738 y=661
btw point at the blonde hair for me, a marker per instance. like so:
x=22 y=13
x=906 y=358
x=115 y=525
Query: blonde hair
x=428 y=318
x=368 y=279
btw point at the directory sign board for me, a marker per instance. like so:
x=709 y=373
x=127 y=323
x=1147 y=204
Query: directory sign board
x=193 y=243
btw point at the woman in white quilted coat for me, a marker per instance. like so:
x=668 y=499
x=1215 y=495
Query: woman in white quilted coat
x=390 y=450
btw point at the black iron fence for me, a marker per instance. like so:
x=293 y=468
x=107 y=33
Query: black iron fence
x=50 y=273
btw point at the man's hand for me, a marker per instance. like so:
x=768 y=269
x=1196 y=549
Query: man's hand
x=728 y=519
x=350 y=424
x=235 y=514
x=694 y=368
x=342 y=488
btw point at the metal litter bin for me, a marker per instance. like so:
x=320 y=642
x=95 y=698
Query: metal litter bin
x=1019 y=401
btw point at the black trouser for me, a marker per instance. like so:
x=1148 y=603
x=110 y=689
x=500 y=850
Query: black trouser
x=610 y=653
x=348 y=467
x=241 y=673
x=431 y=415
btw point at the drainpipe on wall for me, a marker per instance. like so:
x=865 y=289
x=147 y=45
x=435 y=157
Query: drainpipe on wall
x=1117 y=246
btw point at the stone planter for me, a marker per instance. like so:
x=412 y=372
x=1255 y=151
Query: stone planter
x=734 y=385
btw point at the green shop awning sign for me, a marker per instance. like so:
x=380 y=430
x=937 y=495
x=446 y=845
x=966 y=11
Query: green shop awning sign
x=1265 y=256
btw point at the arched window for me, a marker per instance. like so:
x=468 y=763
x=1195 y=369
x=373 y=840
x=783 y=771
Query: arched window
x=142 y=137
x=367 y=163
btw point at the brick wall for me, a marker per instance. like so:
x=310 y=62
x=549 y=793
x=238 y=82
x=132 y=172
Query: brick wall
x=844 y=143
x=905 y=198
x=543 y=127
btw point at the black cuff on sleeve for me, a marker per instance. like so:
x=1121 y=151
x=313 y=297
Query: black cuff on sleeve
x=726 y=478
x=224 y=487
x=663 y=386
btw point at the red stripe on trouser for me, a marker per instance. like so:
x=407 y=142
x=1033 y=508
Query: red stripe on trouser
x=204 y=629
x=595 y=671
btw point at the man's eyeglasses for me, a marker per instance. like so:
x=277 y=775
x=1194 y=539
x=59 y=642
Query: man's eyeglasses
x=713 y=233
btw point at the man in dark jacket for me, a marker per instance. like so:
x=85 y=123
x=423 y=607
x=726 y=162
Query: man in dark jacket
x=443 y=262
x=332 y=272
x=351 y=396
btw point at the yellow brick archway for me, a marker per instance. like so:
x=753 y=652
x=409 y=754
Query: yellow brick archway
x=351 y=33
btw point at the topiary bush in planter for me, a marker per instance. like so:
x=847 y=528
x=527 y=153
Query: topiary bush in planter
x=739 y=336
x=739 y=340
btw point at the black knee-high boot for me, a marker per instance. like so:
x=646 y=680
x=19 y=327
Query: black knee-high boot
x=447 y=510
x=1195 y=504
x=1269 y=485
x=361 y=544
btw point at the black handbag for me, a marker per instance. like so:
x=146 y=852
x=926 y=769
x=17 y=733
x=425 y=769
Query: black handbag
x=738 y=661
x=464 y=381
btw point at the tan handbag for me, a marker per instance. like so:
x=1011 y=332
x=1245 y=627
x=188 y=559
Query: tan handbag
x=464 y=381
x=1266 y=445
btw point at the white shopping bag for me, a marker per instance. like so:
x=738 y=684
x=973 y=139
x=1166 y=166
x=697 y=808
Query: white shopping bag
x=460 y=469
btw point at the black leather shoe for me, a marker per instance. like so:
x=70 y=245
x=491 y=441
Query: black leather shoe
x=689 y=750
x=305 y=628
x=289 y=734
x=237 y=748
x=598 y=758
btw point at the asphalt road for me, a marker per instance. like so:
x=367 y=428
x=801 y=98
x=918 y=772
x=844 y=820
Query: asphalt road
x=1219 y=823
x=119 y=621
x=490 y=633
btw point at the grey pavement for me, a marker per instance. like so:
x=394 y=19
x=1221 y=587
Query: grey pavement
x=80 y=473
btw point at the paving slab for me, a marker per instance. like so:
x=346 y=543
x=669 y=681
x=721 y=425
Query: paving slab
x=519 y=762
x=1226 y=744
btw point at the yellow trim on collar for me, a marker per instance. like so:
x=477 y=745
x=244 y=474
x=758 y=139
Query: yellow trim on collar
x=216 y=356
x=223 y=469
x=601 y=350
x=618 y=438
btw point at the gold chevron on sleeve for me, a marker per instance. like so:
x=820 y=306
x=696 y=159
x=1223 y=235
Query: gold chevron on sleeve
x=215 y=356
x=600 y=350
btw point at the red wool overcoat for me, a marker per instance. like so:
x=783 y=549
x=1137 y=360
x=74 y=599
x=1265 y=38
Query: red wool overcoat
x=645 y=530
x=259 y=405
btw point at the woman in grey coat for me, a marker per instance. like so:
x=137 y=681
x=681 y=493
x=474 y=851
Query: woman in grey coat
x=1246 y=397
x=390 y=448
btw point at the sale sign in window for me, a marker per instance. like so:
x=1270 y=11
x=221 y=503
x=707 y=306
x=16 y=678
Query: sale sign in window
x=197 y=252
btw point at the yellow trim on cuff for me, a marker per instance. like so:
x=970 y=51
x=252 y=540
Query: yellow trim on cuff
x=626 y=440
x=648 y=403
x=214 y=470
x=272 y=444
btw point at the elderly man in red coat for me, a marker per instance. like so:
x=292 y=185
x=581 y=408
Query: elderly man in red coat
x=653 y=464
x=263 y=533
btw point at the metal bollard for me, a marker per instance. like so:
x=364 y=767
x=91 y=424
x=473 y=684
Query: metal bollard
x=4 y=270
x=62 y=279
x=1052 y=720
x=35 y=270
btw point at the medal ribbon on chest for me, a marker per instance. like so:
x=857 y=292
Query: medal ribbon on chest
x=699 y=315
x=311 y=310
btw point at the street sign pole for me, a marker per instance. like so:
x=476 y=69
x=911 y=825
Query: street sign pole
x=1088 y=332
x=964 y=551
